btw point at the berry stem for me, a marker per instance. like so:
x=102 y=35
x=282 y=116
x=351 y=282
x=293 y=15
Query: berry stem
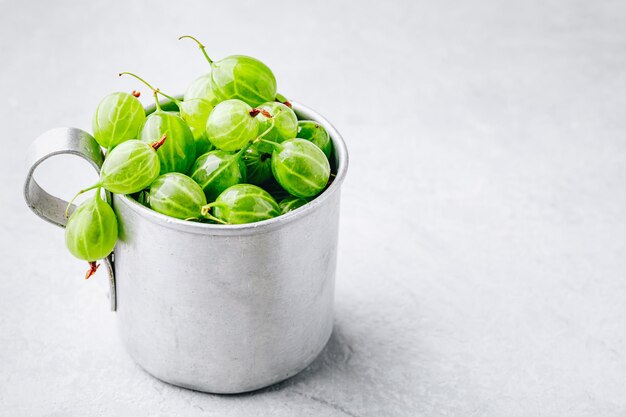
x=272 y=123
x=84 y=190
x=242 y=151
x=200 y=45
x=155 y=91
x=173 y=99
x=156 y=100
x=254 y=112
x=205 y=212
x=93 y=267
x=156 y=145
x=139 y=78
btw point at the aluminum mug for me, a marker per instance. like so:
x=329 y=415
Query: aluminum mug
x=215 y=308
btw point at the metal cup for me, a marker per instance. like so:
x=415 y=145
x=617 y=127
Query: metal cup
x=216 y=308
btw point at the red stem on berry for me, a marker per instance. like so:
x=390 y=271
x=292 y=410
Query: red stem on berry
x=93 y=267
x=254 y=112
x=281 y=99
x=286 y=103
x=156 y=145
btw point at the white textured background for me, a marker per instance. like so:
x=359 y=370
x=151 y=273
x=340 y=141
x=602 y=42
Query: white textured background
x=482 y=266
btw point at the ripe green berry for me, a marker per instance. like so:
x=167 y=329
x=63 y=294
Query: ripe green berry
x=231 y=125
x=176 y=195
x=285 y=121
x=291 y=203
x=217 y=170
x=118 y=117
x=91 y=231
x=315 y=133
x=258 y=163
x=195 y=113
x=179 y=151
x=243 y=203
x=300 y=167
x=241 y=77
x=130 y=167
x=202 y=87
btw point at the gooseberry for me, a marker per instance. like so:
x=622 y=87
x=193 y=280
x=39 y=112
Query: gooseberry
x=285 y=121
x=238 y=76
x=258 y=160
x=119 y=117
x=202 y=87
x=217 y=170
x=176 y=195
x=231 y=124
x=300 y=167
x=316 y=134
x=243 y=203
x=91 y=231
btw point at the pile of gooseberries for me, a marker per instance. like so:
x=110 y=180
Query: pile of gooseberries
x=231 y=151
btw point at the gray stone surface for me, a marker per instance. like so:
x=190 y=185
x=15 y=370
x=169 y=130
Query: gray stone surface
x=482 y=243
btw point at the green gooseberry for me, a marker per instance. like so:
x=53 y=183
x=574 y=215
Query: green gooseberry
x=291 y=203
x=179 y=152
x=202 y=87
x=243 y=203
x=119 y=117
x=258 y=160
x=231 y=125
x=91 y=231
x=217 y=170
x=300 y=167
x=196 y=114
x=128 y=168
x=241 y=77
x=131 y=166
x=315 y=133
x=176 y=195
x=285 y=121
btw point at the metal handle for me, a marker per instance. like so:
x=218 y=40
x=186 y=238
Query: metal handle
x=62 y=141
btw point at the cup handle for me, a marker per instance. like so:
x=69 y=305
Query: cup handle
x=62 y=141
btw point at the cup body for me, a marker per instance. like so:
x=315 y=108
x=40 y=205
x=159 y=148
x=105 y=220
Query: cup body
x=234 y=308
